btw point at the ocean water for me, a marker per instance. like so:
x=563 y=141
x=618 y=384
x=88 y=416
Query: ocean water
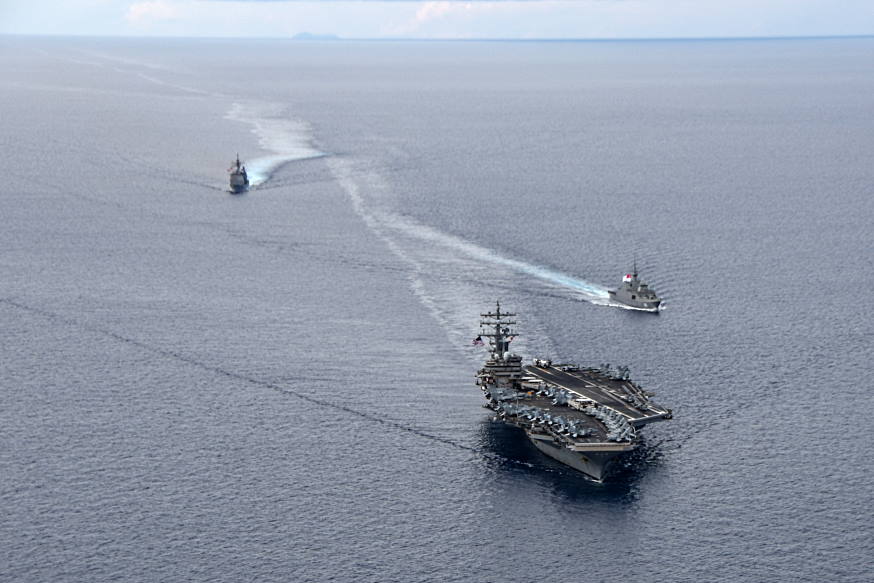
x=278 y=386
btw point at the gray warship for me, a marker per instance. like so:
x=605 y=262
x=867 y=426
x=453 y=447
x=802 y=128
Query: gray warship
x=582 y=417
x=635 y=293
x=239 y=179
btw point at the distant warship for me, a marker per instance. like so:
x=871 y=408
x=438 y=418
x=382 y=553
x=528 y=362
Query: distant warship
x=635 y=293
x=239 y=178
x=581 y=417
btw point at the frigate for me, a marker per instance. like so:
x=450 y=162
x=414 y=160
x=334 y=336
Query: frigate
x=635 y=293
x=239 y=179
x=582 y=417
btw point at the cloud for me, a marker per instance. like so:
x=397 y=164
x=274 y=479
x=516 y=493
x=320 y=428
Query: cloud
x=151 y=11
x=432 y=11
x=455 y=2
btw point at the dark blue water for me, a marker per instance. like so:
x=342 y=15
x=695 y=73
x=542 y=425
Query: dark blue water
x=278 y=386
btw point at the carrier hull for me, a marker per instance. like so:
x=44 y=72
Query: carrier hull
x=594 y=464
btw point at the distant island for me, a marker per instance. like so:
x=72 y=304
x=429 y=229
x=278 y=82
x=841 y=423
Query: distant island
x=314 y=36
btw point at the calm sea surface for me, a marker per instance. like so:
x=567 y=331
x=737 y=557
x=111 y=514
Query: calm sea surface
x=278 y=386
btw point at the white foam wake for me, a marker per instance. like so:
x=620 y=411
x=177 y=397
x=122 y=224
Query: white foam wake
x=287 y=139
x=454 y=278
x=581 y=288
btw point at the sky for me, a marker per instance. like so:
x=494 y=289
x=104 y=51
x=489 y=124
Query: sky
x=442 y=19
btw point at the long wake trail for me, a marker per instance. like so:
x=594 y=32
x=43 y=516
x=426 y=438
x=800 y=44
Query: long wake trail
x=286 y=139
x=180 y=357
x=589 y=291
x=425 y=247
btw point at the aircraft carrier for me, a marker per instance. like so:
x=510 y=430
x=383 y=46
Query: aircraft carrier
x=582 y=417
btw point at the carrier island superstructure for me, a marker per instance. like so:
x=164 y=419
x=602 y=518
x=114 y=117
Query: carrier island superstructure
x=581 y=417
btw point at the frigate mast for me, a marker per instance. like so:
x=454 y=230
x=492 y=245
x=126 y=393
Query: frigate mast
x=502 y=334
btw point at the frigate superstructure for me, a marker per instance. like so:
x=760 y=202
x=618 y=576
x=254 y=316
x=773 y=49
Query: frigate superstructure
x=635 y=293
x=239 y=181
x=581 y=417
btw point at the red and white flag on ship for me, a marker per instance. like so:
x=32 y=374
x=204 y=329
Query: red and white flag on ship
x=627 y=277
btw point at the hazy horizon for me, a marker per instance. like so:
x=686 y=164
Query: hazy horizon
x=441 y=20
x=307 y=36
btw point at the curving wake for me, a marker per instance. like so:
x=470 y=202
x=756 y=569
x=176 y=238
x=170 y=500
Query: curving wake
x=289 y=140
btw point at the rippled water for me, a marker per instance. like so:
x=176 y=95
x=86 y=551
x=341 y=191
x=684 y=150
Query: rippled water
x=278 y=385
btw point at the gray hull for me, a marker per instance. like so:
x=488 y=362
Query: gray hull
x=595 y=465
x=239 y=183
x=631 y=300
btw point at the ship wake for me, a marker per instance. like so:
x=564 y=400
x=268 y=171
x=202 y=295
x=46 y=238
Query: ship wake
x=573 y=287
x=285 y=139
x=453 y=277
x=281 y=388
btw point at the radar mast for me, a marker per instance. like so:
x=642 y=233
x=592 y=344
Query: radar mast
x=496 y=326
